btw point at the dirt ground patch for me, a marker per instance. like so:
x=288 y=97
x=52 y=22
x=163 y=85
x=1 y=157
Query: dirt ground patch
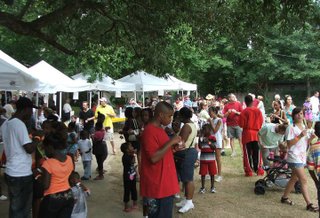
x=234 y=197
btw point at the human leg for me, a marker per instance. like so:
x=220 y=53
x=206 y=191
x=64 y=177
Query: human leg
x=290 y=185
x=265 y=154
x=100 y=160
x=20 y=191
x=218 y=158
x=165 y=207
x=126 y=194
x=246 y=159
x=302 y=177
x=86 y=169
x=134 y=193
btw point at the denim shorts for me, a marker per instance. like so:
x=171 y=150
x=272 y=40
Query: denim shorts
x=186 y=171
x=295 y=165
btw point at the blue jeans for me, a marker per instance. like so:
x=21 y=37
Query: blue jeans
x=20 y=196
x=86 y=169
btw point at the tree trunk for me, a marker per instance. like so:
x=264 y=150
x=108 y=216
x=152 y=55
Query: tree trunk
x=308 y=87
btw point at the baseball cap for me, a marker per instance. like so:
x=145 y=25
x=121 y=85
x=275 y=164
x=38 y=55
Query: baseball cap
x=103 y=99
x=24 y=102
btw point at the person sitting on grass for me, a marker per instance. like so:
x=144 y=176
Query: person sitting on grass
x=129 y=176
x=207 y=157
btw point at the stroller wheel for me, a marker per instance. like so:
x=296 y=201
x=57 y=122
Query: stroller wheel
x=259 y=189
x=297 y=187
x=260 y=182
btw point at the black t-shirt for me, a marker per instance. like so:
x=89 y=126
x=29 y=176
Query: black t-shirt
x=85 y=115
x=129 y=172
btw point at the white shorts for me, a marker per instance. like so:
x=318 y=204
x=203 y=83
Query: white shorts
x=109 y=136
x=219 y=143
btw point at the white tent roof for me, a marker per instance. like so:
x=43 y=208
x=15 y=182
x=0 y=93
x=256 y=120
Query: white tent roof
x=56 y=80
x=182 y=85
x=107 y=83
x=147 y=82
x=15 y=76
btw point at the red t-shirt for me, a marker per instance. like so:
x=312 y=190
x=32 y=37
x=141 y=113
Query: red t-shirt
x=157 y=180
x=232 y=118
x=250 y=121
x=255 y=102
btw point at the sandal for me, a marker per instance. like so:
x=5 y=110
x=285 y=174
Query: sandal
x=286 y=201
x=312 y=208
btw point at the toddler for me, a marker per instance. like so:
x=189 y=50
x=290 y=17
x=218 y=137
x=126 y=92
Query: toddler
x=85 y=148
x=80 y=192
x=129 y=176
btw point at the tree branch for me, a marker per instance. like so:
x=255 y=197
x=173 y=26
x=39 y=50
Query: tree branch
x=25 y=9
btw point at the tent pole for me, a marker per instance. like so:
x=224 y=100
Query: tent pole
x=143 y=99
x=60 y=104
x=90 y=98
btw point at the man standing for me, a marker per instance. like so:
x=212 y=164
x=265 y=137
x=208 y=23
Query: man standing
x=159 y=181
x=314 y=100
x=18 y=147
x=66 y=111
x=108 y=112
x=10 y=108
x=251 y=121
x=232 y=112
x=86 y=117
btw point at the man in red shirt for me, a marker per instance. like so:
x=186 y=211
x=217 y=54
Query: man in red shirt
x=251 y=121
x=158 y=181
x=232 y=112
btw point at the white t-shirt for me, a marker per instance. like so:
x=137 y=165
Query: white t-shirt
x=67 y=108
x=315 y=104
x=297 y=153
x=85 y=146
x=218 y=134
x=15 y=135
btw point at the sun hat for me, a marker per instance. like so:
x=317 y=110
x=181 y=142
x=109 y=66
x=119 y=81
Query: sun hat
x=209 y=97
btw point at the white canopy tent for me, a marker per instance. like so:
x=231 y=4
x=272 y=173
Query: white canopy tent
x=56 y=80
x=182 y=85
x=107 y=83
x=15 y=76
x=146 y=82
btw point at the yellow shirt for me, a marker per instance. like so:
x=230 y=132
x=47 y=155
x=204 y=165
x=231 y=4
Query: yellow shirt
x=105 y=110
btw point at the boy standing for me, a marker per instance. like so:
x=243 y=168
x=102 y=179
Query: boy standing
x=159 y=180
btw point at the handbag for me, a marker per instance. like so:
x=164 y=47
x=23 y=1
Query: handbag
x=133 y=137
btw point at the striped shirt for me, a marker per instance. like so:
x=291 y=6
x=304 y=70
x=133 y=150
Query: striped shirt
x=207 y=153
x=313 y=159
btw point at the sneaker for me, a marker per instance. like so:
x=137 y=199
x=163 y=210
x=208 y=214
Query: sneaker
x=186 y=207
x=233 y=154
x=3 y=198
x=181 y=203
x=84 y=178
x=202 y=190
x=218 y=179
x=213 y=190
x=223 y=153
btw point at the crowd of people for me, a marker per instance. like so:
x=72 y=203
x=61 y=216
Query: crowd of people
x=164 y=144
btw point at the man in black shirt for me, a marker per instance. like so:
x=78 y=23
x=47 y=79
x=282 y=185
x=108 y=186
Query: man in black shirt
x=86 y=116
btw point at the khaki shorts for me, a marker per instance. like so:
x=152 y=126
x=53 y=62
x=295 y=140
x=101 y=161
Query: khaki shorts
x=234 y=132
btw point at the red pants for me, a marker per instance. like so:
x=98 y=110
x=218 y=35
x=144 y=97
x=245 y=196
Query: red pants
x=252 y=158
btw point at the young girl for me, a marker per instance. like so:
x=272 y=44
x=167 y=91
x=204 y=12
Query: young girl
x=297 y=142
x=129 y=176
x=307 y=108
x=80 y=192
x=216 y=125
x=278 y=115
x=58 y=199
x=100 y=149
x=85 y=147
x=207 y=157
x=288 y=107
x=72 y=148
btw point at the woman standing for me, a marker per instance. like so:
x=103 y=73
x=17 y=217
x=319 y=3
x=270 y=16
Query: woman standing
x=297 y=141
x=288 y=107
x=188 y=133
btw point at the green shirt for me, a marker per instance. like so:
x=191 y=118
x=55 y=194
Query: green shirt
x=268 y=136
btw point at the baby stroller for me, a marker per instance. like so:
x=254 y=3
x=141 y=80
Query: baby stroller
x=277 y=175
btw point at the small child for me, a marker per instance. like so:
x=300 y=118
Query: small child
x=72 y=147
x=307 y=108
x=85 y=148
x=129 y=176
x=80 y=192
x=207 y=157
